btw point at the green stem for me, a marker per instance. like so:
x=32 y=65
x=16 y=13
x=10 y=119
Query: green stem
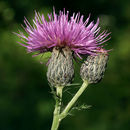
x=56 y=119
x=73 y=100
x=58 y=116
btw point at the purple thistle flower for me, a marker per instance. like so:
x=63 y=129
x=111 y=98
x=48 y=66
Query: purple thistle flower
x=61 y=31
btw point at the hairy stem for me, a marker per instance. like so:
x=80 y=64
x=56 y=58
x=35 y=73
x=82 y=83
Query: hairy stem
x=73 y=100
x=56 y=117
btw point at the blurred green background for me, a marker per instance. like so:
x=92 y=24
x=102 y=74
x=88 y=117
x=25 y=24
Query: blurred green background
x=25 y=99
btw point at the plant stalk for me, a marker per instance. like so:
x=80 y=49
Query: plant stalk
x=73 y=100
x=56 y=117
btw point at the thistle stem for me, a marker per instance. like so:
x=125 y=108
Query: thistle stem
x=56 y=117
x=73 y=100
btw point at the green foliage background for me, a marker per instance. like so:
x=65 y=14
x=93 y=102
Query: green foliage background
x=25 y=99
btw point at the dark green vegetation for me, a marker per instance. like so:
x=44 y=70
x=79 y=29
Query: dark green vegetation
x=25 y=99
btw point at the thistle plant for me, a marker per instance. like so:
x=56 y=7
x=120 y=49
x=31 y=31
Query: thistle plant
x=67 y=38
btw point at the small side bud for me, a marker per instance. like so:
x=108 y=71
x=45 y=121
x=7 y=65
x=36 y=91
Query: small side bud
x=94 y=67
x=60 y=69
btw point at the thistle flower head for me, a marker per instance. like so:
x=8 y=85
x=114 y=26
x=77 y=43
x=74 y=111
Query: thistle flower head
x=60 y=31
x=94 y=66
x=60 y=69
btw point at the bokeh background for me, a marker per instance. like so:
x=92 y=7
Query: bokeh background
x=25 y=99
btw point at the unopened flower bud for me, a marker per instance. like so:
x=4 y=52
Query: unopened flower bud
x=60 y=69
x=94 y=67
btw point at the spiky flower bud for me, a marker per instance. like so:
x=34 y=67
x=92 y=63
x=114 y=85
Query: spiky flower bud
x=60 y=69
x=94 y=67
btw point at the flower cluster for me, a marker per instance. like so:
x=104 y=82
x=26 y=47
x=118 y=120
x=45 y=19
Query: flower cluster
x=64 y=36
